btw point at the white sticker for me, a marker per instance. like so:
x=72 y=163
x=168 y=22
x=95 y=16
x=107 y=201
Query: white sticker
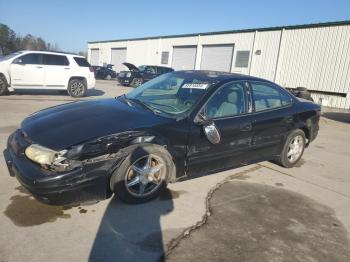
x=196 y=86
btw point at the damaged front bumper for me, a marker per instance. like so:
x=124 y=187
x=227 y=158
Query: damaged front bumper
x=90 y=182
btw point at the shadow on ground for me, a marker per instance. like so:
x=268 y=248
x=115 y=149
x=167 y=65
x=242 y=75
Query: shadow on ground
x=55 y=93
x=132 y=232
x=253 y=222
x=338 y=116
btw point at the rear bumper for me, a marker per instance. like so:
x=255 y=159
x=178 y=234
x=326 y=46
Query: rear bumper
x=88 y=183
x=91 y=82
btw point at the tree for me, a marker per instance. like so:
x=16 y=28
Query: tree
x=7 y=39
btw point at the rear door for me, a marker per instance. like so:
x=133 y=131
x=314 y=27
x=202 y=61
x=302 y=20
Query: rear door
x=149 y=73
x=229 y=108
x=57 y=71
x=27 y=71
x=273 y=118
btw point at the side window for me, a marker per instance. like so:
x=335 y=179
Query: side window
x=229 y=100
x=31 y=59
x=150 y=70
x=59 y=60
x=267 y=97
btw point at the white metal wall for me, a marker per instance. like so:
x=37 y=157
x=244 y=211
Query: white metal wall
x=264 y=64
x=317 y=58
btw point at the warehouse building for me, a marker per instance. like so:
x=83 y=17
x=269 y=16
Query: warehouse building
x=315 y=56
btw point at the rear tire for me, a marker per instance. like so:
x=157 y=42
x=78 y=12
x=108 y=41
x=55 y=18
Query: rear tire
x=3 y=86
x=76 y=88
x=293 y=149
x=136 y=82
x=135 y=181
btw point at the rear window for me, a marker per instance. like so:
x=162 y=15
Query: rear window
x=59 y=60
x=82 y=61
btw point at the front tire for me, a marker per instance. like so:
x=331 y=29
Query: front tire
x=3 y=86
x=143 y=174
x=77 y=88
x=136 y=82
x=293 y=149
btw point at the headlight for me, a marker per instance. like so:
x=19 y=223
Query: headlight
x=43 y=155
x=128 y=74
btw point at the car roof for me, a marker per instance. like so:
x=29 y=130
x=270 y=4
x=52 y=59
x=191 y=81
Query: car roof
x=221 y=76
x=51 y=53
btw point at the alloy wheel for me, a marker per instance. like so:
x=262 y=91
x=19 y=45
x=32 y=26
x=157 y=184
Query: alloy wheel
x=145 y=175
x=77 y=88
x=295 y=148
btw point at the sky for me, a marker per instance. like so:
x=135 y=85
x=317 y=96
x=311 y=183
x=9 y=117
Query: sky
x=71 y=24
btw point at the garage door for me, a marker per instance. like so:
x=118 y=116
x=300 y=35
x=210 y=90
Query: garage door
x=217 y=57
x=118 y=56
x=184 y=57
x=95 y=56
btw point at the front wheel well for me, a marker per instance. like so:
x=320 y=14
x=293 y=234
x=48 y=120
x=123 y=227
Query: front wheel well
x=4 y=77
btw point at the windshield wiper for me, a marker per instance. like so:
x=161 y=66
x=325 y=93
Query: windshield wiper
x=168 y=106
x=145 y=105
x=126 y=100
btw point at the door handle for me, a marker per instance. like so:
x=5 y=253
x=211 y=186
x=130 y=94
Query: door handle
x=245 y=127
x=39 y=67
x=67 y=68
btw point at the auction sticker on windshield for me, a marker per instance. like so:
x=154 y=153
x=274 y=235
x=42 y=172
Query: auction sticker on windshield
x=196 y=86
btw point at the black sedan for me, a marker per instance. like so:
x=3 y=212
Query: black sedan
x=178 y=125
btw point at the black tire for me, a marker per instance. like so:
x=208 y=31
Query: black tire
x=120 y=178
x=284 y=160
x=136 y=82
x=3 y=86
x=76 y=88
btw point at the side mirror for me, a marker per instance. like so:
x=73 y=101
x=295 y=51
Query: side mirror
x=209 y=128
x=212 y=133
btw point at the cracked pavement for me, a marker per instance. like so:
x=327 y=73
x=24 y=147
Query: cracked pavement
x=259 y=212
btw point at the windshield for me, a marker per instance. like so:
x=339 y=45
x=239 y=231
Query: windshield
x=174 y=94
x=7 y=57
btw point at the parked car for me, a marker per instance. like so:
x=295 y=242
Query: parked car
x=46 y=71
x=178 y=125
x=138 y=75
x=301 y=92
x=102 y=72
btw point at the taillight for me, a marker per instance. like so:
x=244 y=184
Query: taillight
x=91 y=69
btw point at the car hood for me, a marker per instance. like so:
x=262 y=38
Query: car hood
x=131 y=66
x=65 y=125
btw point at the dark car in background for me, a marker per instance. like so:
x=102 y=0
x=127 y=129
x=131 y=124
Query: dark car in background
x=178 y=125
x=138 y=75
x=102 y=72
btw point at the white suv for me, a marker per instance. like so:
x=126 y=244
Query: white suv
x=46 y=70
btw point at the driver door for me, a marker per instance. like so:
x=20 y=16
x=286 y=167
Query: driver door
x=229 y=108
x=28 y=71
x=149 y=73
